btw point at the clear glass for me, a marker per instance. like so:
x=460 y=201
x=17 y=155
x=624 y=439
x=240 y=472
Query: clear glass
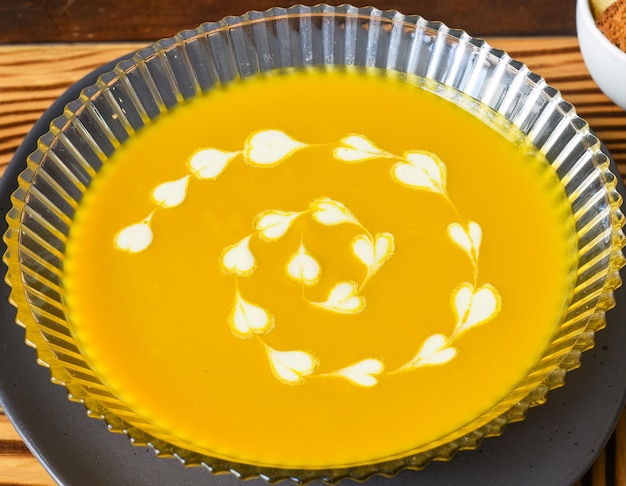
x=177 y=69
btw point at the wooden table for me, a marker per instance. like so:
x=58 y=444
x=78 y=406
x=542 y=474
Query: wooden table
x=41 y=55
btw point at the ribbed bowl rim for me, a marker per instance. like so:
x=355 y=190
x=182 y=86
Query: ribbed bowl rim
x=521 y=116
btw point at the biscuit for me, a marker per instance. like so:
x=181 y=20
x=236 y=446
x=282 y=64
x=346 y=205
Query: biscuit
x=612 y=23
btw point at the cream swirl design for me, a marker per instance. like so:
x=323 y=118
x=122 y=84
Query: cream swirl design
x=472 y=303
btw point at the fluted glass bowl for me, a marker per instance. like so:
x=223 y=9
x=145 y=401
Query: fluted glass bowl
x=174 y=71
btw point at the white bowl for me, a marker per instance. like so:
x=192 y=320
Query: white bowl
x=605 y=61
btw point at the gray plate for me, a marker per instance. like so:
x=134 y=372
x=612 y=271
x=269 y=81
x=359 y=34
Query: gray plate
x=554 y=446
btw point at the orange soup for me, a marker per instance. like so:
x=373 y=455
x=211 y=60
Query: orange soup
x=319 y=268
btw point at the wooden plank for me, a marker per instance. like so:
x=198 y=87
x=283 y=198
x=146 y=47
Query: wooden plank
x=598 y=471
x=33 y=76
x=7 y=431
x=620 y=452
x=111 y=20
x=17 y=464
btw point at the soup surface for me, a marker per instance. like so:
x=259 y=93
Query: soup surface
x=318 y=268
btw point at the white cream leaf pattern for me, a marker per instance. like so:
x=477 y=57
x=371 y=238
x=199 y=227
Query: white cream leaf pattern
x=291 y=366
x=344 y=299
x=384 y=248
x=434 y=351
x=467 y=239
x=273 y=224
x=171 y=194
x=364 y=249
x=421 y=170
x=134 y=238
x=474 y=306
x=210 y=163
x=330 y=212
x=238 y=258
x=374 y=254
x=364 y=373
x=303 y=267
x=357 y=148
x=459 y=235
x=247 y=319
x=269 y=148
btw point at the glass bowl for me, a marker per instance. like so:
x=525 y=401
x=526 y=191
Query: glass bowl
x=175 y=71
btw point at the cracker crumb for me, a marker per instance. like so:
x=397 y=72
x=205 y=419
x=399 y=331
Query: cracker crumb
x=612 y=23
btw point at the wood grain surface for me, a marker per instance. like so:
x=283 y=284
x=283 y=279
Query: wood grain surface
x=32 y=76
x=112 y=20
x=17 y=465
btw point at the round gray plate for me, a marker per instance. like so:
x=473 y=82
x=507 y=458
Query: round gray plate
x=555 y=445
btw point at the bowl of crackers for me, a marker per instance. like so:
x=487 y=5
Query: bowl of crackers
x=601 y=28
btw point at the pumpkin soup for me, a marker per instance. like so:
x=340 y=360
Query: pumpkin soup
x=319 y=268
